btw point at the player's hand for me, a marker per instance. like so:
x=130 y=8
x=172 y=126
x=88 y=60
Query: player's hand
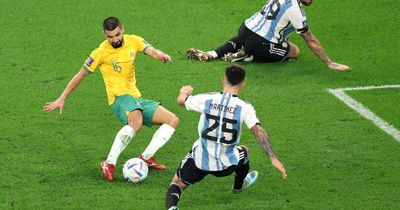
x=57 y=104
x=166 y=58
x=338 y=66
x=275 y=162
x=186 y=90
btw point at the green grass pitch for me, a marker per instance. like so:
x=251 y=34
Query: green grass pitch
x=335 y=158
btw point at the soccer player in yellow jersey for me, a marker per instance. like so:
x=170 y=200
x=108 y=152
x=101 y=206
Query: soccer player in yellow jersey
x=115 y=58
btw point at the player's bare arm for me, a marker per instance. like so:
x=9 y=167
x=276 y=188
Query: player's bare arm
x=315 y=46
x=184 y=92
x=263 y=139
x=59 y=103
x=158 y=54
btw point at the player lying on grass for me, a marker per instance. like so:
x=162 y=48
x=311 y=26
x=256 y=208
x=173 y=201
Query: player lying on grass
x=115 y=58
x=216 y=151
x=264 y=37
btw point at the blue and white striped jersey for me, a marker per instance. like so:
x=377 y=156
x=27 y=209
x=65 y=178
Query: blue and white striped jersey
x=278 y=19
x=220 y=124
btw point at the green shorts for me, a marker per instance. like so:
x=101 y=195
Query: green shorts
x=124 y=104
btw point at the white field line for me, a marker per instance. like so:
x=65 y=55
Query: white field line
x=364 y=111
x=367 y=87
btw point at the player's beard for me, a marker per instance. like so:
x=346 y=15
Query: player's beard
x=118 y=44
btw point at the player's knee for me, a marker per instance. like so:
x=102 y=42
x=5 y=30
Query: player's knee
x=136 y=124
x=297 y=54
x=178 y=182
x=294 y=52
x=135 y=120
x=173 y=121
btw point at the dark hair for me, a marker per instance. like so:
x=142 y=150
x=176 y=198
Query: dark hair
x=111 y=23
x=235 y=74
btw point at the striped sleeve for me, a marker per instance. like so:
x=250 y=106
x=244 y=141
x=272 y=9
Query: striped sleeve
x=195 y=103
x=298 y=18
x=250 y=116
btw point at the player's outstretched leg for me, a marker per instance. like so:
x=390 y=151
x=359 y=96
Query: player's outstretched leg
x=243 y=179
x=248 y=181
x=174 y=192
x=168 y=122
x=237 y=56
x=122 y=139
x=172 y=196
x=196 y=54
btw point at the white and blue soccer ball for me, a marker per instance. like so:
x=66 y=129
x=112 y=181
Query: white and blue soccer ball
x=135 y=170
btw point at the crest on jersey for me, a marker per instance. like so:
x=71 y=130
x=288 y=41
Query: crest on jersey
x=89 y=61
x=132 y=53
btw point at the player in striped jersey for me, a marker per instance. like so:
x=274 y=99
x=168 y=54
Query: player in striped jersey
x=216 y=151
x=264 y=37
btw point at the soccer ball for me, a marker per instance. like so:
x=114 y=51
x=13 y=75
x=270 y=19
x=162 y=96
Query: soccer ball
x=135 y=170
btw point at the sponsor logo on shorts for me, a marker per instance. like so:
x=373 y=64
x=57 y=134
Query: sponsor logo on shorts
x=89 y=61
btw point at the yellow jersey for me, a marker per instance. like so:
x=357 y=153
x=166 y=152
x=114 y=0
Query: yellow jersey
x=117 y=65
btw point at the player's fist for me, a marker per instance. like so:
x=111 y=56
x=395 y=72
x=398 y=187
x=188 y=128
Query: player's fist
x=165 y=58
x=187 y=90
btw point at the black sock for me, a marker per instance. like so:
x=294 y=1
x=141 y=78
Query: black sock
x=173 y=195
x=241 y=173
x=228 y=47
